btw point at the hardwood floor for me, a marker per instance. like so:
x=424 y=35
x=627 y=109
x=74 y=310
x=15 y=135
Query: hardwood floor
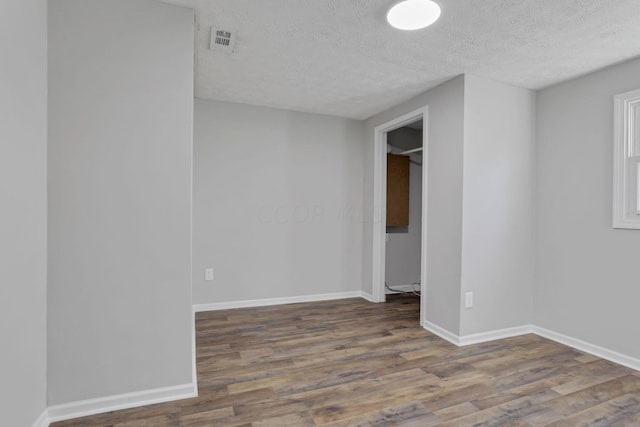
x=354 y=363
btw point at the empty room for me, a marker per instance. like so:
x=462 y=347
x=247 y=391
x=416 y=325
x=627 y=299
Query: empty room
x=341 y=213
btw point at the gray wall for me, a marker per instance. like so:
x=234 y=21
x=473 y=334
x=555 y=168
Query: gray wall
x=586 y=272
x=405 y=138
x=120 y=154
x=23 y=210
x=497 y=225
x=277 y=203
x=446 y=135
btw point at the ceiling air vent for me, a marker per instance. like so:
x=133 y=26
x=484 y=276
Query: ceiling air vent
x=222 y=40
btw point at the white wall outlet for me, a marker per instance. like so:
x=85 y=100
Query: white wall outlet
x=208 y=274
x=468 y=300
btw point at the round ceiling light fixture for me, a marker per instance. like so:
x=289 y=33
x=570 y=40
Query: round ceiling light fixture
x=413 y=14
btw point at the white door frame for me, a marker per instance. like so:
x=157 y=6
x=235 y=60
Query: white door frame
x=380 y=203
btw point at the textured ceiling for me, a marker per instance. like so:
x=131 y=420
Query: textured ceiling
x=339 y=57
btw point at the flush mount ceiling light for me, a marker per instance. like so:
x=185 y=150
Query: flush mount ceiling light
x=413 y=14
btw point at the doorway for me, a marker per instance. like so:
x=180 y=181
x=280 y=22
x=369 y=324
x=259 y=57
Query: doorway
x=387 y=141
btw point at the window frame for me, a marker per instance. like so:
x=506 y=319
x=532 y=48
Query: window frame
x=626 y=126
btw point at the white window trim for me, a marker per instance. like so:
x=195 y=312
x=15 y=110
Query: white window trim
x=624 y=128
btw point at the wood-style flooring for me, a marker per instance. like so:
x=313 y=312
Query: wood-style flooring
x=354 y=363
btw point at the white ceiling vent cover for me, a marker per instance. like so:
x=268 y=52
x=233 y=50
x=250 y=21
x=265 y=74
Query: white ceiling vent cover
x=222 y=40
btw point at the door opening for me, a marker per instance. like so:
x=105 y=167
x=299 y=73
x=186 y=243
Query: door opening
x=400 y=189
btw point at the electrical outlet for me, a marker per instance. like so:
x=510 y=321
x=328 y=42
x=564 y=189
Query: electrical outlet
x=468 y=300
x=208 y=274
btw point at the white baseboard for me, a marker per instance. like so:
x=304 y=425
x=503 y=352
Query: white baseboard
x=101 y=405
x=275 y=301
x=43 y=419
x=442 y=333
x=367 y=296
x=604 y=353
x=465 y=340
x=613 y=356
x=494 y=335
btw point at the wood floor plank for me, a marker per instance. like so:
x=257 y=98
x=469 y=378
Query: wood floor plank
x=584 y=399
x=603 y=415
x=196 y=405
x=409 y=414
x=627 y=421
x=456 y=411
x=456 y=396
x=298 y=419
x=349 y=363
x=159 y=421
x=341 y=393
x=214 y=417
